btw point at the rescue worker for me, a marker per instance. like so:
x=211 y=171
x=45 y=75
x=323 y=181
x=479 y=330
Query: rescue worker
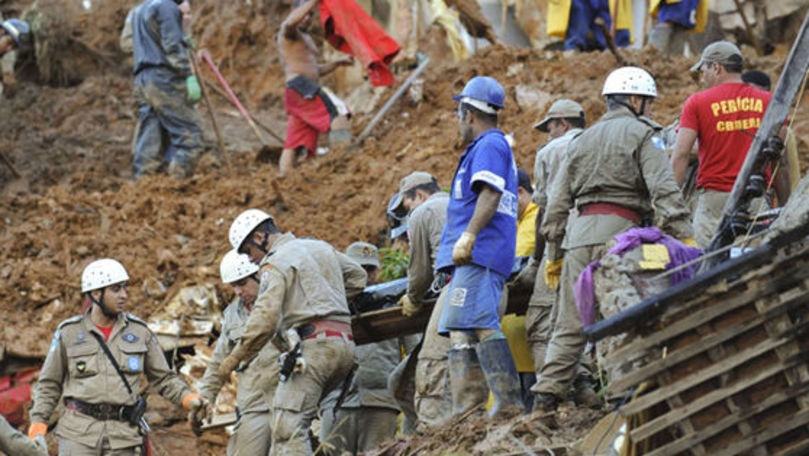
x=615 y=173
x=15 y=34
x=302 y=306
x=426 y=205
x=563 y=122
x=575 y=21
x=366 y=416
x=102 y=412
x=514 y=325
x=674 y=19
x=311 y=109
x=723 y=119
x=256 y=383
x=165 y=90
x=477 y=248
x=14 y=442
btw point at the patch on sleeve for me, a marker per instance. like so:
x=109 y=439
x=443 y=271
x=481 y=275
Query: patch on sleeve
x=658 y=142
x=265 y=277
x=490 y=178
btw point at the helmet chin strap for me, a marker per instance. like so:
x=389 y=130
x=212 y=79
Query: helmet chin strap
x=99 y=303
x=263 y=245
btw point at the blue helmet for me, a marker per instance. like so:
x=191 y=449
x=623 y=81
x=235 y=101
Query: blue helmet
x=483 y=89
x=18 y=29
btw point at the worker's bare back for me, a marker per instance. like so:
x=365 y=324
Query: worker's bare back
x=298 y=51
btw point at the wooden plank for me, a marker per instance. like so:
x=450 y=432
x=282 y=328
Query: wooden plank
x=637 y=348
x=674 y=416
x=667 y=391
x=772 y=431
x=799 y=449
x=383 y=324
x=688 y=441
x=639 y=375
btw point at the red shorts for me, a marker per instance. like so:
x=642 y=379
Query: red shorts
x=305 y=120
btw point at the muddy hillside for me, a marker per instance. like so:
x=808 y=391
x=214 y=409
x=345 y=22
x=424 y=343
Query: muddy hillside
x=68 y=130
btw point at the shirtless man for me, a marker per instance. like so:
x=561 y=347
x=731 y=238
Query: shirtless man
x=311 y=109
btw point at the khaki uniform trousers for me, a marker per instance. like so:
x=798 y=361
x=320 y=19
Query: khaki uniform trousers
x=433 y=399
x=708 y=214
x=538 y=318
x=357 y=430
x=562 y=360
x=102 y=448
x=252 y=436
x=295 y=405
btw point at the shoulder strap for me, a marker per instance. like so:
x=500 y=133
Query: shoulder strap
x=112 y=360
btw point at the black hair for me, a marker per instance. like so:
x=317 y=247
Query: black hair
x=484 y=116
x=430 y=188
x=576 y=122
x=758 y=78
x=524 y=180
x=736 y=64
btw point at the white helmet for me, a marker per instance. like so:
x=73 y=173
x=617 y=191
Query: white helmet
x=244 y=224
x=102 y=273
x=630 y=81
x=236 y=266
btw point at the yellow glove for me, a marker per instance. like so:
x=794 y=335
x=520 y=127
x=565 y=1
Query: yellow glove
x=408 y=308
x=462 y=251
x=691 y=242
x=37 y=429
x=553 y=271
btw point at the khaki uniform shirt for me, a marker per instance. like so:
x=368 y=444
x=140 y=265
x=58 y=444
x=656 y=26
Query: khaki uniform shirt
x=76 y=367
x=257 y=382
x=619 y=161
x=424 y=228
x=546 y=165
x=302 y=280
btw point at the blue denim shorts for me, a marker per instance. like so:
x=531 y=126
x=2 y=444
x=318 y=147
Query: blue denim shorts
x=474 y=299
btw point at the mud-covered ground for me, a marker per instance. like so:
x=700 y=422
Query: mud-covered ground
x=77 y=202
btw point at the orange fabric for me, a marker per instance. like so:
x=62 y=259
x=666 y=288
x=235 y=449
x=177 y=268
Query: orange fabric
x=188 y=398
x=37 y=429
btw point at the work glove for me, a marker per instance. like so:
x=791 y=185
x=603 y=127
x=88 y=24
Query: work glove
x=37 y=429
x=462 y=251
x=192 y=87
x=691 y=242
x=191 y=42
x=199 y=409
x=408 y=308
x=553 y=271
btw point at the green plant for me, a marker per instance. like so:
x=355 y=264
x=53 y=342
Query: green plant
x=394 y=263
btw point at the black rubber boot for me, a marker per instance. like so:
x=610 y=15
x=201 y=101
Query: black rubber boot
x=501 y=375
x=466 y=380
x=545 y=402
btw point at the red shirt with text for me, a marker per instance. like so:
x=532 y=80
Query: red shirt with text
x=726 y=118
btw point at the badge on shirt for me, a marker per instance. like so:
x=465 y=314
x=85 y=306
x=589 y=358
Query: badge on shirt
x=658 y=142
x=134 y=363
x=129 y=337
x=80 y=336
x=81 y=366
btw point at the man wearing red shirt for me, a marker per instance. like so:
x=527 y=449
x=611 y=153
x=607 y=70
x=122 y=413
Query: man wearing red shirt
x=724 y=119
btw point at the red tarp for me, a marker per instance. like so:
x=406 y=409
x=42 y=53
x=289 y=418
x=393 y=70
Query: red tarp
x=15 y=392
x=351 y=30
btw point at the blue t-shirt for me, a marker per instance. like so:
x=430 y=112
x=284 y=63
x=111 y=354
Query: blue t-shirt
x=488 y=160
x=683 y=13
